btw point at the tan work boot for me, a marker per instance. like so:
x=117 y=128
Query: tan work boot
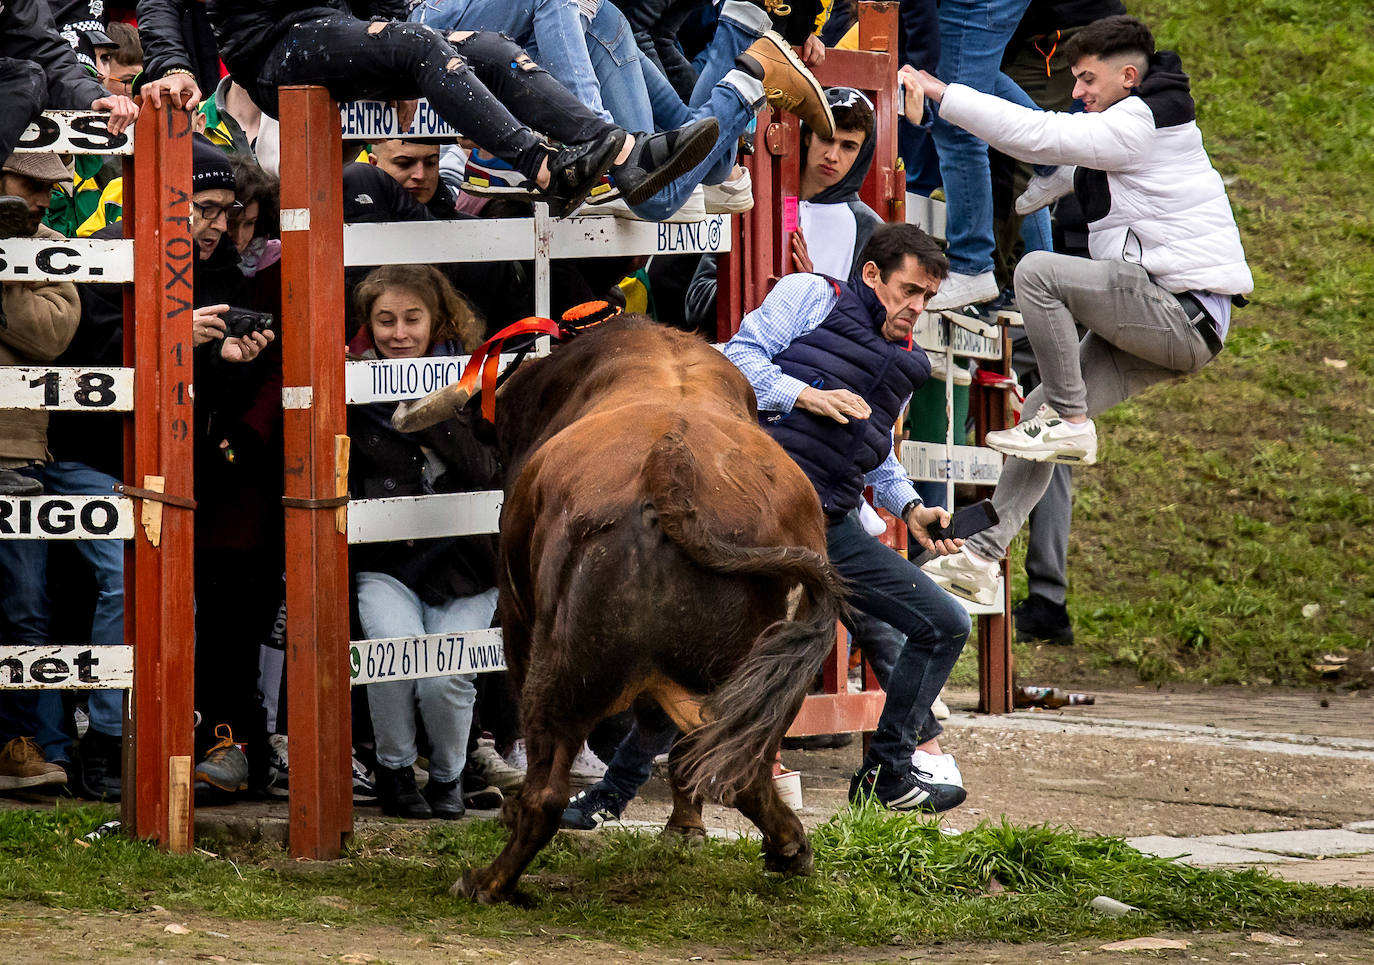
x=787 y=83
x=22 y=764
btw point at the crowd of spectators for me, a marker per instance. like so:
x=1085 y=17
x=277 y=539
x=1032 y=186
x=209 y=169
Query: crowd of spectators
x=632 y=108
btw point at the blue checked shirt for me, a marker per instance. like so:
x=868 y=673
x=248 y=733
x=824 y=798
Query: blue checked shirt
x=796 y=306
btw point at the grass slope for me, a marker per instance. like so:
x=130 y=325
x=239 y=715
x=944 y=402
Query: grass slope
x=881 y=879
x=1226 y=503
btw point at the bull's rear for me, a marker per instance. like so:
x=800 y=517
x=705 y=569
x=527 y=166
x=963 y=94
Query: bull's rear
x=656 y=546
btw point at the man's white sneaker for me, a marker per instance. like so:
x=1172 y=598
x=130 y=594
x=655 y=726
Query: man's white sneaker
x=1043 y=189
x=732 y=196
x=966 y=576
x=942 y=769
x=959 y=290
x=693 y=209
x=587 y=768
x=1048 y=438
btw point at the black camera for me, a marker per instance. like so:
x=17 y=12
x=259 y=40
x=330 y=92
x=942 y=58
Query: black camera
x=239 y=322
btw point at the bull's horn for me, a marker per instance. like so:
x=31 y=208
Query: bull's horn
x=434 y=408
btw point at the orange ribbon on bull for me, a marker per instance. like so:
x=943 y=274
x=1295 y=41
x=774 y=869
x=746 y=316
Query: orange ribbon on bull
x=485 y=363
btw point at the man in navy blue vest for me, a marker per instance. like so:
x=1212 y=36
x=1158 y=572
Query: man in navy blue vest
x=833 y=368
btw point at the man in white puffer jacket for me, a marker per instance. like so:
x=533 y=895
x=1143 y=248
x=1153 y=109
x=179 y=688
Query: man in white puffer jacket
x=1156 y=296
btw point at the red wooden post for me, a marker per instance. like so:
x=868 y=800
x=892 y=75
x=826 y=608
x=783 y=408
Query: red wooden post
x=321 y=803
x=159 y=607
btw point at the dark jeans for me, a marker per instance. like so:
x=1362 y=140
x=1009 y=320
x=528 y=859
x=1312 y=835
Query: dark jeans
x=884 y=585
x=485 y=85
x=23 y=92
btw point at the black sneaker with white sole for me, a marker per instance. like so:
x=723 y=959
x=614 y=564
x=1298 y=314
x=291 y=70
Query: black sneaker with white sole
x=657 y=160
x=576 y=169
x=592 y=808
x=903 y=789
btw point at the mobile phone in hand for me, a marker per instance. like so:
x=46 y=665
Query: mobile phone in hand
x=239 y=322
x=965 y=522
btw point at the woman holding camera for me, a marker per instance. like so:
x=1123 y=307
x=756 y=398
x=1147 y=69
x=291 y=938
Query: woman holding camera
x=415 y=587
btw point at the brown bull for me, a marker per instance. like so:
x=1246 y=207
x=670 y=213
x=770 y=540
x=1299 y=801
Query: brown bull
x=656 y=546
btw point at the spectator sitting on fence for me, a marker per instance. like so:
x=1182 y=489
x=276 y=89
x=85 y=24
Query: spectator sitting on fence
x=746 y=66
x=180 y=52
x=416 y=587
x=37 y=320
x=1155 y=297
x=39 y=70
x=478 y=82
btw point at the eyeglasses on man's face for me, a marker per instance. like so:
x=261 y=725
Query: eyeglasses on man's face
x=211 y=212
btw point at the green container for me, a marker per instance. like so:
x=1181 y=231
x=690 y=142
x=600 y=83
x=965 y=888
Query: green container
x=926 y=418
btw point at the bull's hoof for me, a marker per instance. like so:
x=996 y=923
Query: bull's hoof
x=792 y=859
x=476 y=885
x=691 y=836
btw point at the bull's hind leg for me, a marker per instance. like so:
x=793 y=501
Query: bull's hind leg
x=686 y=818
x=786 y=848
x=534 y=818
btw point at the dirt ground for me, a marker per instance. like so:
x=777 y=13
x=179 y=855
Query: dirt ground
x=1142 y=761
x=31 y=935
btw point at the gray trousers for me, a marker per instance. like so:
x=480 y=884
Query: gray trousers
x=1138 y=335
x=1047 y=540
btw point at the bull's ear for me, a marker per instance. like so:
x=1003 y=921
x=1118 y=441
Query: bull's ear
x=434 y=408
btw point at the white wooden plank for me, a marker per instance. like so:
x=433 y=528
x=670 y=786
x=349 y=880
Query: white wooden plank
x=925 y=461
x=438 y=242
x=66 y=517
x=74 y=132
x=64 y=388
x=432 y=655
x=930 y=335
x=602 y=236
x=926 y=214
x=396 y=380
x=74 y=667
x=71 y=259
x=375 y=121
x=513 y=239
x=424 y=517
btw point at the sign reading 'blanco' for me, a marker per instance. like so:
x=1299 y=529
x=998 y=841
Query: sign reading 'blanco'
x=78 y=667
x=433 y=655
x=374 y=121
x=66 y=517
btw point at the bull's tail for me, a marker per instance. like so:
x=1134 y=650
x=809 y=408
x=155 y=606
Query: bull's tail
x=745 y=717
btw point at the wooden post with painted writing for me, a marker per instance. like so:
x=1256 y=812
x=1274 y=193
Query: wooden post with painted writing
x=159 y=605
x=321 y=804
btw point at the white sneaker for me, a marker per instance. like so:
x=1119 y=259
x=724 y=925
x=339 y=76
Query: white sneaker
x=942 y=769
x=732 y=196
x=1048 y=438
x=965 y=575
x=693 y=209
x=587 y=768
x=939 y=709
x=492 y=768
x=959 y=290
x=1043 y=189
x=939 y=373
x=516 y=758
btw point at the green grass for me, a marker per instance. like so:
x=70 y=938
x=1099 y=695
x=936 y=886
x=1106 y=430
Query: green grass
x=881 y=879
x=1224 y=504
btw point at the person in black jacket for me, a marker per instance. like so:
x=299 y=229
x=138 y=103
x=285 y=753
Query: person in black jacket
x=481 y=83
x=38 y=70
x=418 y=587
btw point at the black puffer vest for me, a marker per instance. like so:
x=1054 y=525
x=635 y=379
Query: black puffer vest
x=846 y=351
